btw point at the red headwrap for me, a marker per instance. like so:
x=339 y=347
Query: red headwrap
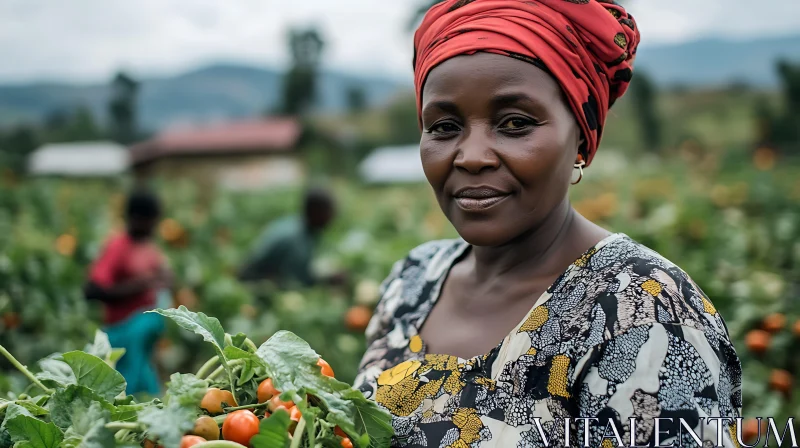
x=588 y=45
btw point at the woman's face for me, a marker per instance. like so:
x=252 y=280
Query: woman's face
x=498 y=145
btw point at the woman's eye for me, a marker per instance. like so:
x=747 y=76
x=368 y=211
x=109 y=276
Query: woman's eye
x=515 y=124
x=444 y=128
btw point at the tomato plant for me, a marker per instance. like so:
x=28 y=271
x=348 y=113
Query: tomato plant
x=227 y=386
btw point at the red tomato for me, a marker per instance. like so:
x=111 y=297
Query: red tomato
x=189 y=441
x=338 y=431
x=266 y=391
x=326 y=368
x=295 y=414
x=240 y=426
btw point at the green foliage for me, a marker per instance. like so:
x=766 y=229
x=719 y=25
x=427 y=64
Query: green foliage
x=82 y=415
x=15 y=146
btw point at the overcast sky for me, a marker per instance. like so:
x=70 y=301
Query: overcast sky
x=87 y=40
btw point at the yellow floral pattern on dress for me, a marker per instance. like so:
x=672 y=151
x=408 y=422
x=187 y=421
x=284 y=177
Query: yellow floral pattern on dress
x=488 y=383
x=652 y=286
x=557 y=385
x=398 y=373
x=469 y=424
x=531 y=352
x=415 y=344
x=581 y=262
x=709 y=307
x=536 y=319
x=404 y=398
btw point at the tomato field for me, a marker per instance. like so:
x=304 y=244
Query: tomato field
x=731 y=222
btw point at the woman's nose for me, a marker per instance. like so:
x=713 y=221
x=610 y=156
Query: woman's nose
x=475 y=154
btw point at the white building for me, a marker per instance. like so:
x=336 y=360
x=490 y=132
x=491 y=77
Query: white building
x=79 y=159
x=393 y=164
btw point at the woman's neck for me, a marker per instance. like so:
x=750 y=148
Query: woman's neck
x=543 y=251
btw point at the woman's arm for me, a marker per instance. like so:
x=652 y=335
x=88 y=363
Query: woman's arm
x=120 y=291
x=670 y=378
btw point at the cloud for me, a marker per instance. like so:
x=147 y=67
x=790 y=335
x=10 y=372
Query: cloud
x=90 y=39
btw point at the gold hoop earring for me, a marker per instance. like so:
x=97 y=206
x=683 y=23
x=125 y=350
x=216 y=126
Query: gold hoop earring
x=579 y=166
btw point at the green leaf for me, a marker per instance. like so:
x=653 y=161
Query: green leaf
x=207 y=327
x=292 y=365
x=33 y=433
x=33 y=408
x=129 y=412
x=186 y=390
x=273 y=432
x=88 y=429
x=168 y=424
x=65 y=403
x=101 y=347
x=56 y=370
x=371 y=419
x=239 y=339
x=14 y=410
x=95 y=374
x=246 y=374
x=115 y=356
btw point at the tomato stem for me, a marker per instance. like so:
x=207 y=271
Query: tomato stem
x=125 y=425
x=24 y=370
x=301 y=425
x=248 y=406
x=220 y=419
x=219 y=444
x=312 y=431
x=204 y=370
x=251 y=345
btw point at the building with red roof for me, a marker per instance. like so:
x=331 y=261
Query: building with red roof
x=248 y=154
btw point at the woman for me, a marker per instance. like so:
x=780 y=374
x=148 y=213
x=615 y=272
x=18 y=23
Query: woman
x=536 y=316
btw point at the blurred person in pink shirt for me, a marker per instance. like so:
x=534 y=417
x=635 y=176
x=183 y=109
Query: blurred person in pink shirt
x=127 y=278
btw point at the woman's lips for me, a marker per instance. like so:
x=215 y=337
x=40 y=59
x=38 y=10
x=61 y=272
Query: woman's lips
x=479 y=198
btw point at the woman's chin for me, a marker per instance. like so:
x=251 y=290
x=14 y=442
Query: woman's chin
x=485 y=233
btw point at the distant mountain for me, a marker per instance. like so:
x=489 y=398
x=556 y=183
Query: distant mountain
x=228 y=90
x=206 y=94
x=710 y=62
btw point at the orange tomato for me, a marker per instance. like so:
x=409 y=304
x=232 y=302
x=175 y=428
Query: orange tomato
x=266 y=391
x=213 y=399
x=150 y=444
x=326 y=368
x=295 y=414
x=346 y=443
x=774 y=322
x=781 y=380
x=796 y=328
x=275 y=403
x=751 y=430
x=357 y=318
x=240 y=426
x=757 y=341
x=189 y=441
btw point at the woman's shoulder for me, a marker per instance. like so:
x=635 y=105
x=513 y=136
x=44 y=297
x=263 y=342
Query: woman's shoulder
x=430 y=258
x=641 y=287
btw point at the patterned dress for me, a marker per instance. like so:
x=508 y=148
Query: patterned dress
x=622 y=334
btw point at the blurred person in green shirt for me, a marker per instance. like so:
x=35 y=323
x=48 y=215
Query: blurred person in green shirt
x=285 y=251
